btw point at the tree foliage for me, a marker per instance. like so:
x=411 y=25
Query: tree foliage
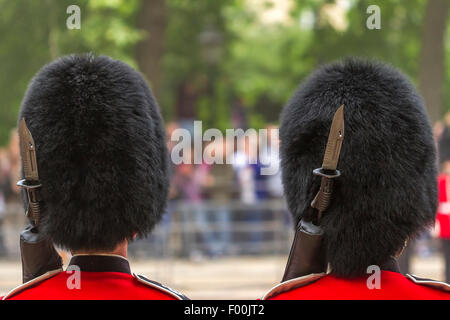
x=227 y=52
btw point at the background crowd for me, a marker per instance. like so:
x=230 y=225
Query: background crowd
x=206 y=201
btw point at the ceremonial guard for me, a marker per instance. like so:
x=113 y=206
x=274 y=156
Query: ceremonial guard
x=360 y=179
x=95 y=168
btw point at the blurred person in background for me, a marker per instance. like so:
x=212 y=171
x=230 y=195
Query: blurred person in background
x=190 y=181
x=220 y=192
x=443 y=216
x=438 y=130
x=15 y=163
x=441 y=136
x=5 y=189
x=245 y=176
x=252 y=189
x=274 y=185
x=245 y=195
x=13 y=217
x=262 y=214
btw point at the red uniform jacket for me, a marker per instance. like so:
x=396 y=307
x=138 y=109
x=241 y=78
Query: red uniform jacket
x=443 y=214
x=393 y=286
x=101 y=278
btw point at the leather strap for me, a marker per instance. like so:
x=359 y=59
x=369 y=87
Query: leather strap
x=306 y=255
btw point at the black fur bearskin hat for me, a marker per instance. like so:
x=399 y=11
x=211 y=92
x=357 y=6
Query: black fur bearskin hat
x=101 y=151
x=387 y=192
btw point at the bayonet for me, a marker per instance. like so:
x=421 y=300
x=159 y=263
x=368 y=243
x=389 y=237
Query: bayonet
x=307 y=254
x=31 y=182
x=328 y=171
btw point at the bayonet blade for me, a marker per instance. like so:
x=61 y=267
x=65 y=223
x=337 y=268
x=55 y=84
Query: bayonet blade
x=335 y=138
x=28 y=153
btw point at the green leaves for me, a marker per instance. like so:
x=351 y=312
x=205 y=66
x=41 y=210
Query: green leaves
x=255 y=58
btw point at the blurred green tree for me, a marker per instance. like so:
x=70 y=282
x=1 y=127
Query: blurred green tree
x=432 y=70
x=228 y=62
x=270 y=60
x=34 y=33
x=24 y=46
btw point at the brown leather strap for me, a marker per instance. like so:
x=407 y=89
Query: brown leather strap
x=306 y=255
x=38 y=254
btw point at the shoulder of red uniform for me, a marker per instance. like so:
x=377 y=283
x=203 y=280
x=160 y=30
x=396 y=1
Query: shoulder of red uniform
x=160 y=287
x=153 y=285
x=31 y=283
x=292 y=284
x=438 y=285
x=303 y=281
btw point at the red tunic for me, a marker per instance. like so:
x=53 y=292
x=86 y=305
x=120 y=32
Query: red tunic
x=393 y=286
x=102 y=285
x=443 y=213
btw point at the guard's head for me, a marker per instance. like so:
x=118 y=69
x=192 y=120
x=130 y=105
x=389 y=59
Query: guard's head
x=387 y=191
x=101 y=151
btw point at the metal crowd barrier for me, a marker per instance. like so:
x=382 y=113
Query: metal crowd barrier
x=190 y=230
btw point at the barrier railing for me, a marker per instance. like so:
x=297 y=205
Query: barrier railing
x=211 y=228
x=192 y=230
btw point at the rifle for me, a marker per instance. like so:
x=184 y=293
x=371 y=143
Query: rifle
x=38 y=254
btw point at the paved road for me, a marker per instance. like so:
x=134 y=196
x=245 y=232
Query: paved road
x=227 y=278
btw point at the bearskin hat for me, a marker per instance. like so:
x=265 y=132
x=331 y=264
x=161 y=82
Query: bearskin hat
x=387 y=192
x=101 y=151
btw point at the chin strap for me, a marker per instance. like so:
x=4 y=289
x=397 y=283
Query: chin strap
x=38 y=254
x=306 y=255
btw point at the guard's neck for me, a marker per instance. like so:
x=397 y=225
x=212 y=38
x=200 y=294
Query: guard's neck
x=120 y=250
